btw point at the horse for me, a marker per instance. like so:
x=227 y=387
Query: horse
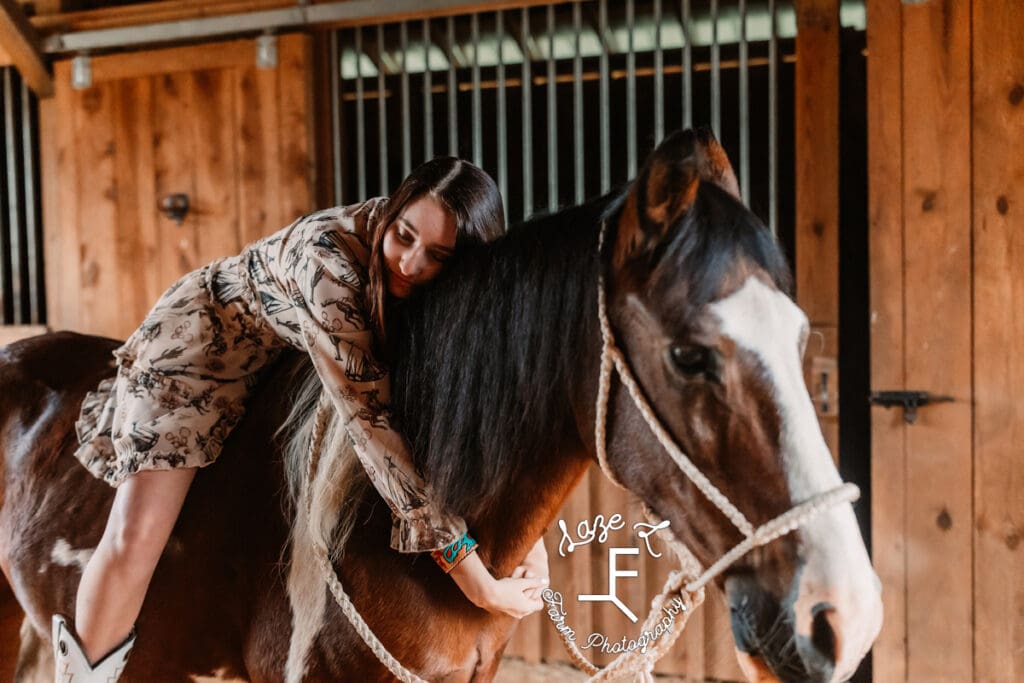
x=495 y=374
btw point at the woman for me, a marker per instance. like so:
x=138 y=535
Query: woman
x=323 y=285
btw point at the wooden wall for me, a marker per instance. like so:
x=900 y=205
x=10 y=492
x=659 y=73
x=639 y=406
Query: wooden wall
x=203 y=121
x=946 y=126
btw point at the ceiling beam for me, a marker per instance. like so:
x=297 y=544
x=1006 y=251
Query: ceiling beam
x=20 y=41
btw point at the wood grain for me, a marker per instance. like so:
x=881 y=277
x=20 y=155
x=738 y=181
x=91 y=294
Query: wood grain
x=998 y=201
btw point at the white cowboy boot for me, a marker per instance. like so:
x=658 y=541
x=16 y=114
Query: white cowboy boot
x=72 y=666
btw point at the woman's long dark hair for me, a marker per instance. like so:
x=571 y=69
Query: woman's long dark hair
x=460 y=187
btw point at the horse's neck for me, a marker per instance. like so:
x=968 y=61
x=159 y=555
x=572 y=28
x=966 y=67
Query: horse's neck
x=517 y=519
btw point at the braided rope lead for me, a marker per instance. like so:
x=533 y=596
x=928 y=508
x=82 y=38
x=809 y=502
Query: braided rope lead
x=323 y=414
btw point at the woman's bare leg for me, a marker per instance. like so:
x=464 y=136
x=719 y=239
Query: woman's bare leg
x=117 y=576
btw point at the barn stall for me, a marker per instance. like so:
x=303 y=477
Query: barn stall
x=881 y=143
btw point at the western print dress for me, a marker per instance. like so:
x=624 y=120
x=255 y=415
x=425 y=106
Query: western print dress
x=183 y=376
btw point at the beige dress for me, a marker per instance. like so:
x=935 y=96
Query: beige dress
x=184 y=375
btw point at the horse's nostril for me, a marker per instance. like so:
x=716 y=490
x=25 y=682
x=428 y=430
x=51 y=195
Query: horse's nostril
x=823 y=637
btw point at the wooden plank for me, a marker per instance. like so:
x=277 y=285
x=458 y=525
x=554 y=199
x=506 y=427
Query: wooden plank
x=100 y=277
x=230 y=54
x=216 y=199
x=998 y=182
x=23 y=46
x=144 y=13
x=296 y=143
x=817 y=160
x=256 y=112
x=885 y=225
x=173 y=152
x=137 y=210
x=136 y=200
x=50 y=141
x=937 y=215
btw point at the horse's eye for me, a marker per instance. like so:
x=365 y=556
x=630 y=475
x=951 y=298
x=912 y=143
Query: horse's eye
x=690 y=360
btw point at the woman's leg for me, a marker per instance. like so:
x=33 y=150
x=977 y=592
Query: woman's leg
x=114 y=583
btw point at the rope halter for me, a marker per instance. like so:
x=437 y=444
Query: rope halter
x=695 y=576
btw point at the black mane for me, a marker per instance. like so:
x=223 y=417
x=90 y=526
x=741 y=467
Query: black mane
x=487 y=357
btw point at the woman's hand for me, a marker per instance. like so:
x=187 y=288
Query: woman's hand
x=535 y=566
x=512 y=596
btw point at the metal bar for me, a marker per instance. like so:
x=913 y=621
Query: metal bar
x=527 y=117
x=428 y=96
x=31 y=225
x=478 y=145
x=499 y=29
x=453 y=95
x=335 y=76
x=577 y=102
x=744 y=74
x=382 y=114
x=13 y=197
x=773 y=121
x=350 y=12
x=360 y=117
x=552 y=115
x=716 y=74
x=630 y=91
x=403 y=38
x=659 y=78
x=606 y=164
x=687 y=67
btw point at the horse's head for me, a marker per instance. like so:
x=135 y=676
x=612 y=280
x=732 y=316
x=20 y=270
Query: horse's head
x=698 y=301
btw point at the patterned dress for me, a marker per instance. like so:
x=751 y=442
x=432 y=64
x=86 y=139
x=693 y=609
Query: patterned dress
x=184 y=375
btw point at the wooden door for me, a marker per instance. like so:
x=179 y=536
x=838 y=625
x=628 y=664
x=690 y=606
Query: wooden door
x=946 y=127
x=201 y=121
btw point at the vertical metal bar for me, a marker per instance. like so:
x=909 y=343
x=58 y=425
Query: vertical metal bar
x=403 y=33
x=577 y=102
x=630 y=91
x=13 y=197
x=428 y=96
x=335 y=76
x=360 y=117
x=499 y=29
x=527 y=115
x=31 y=224
x=453 y=95
x=552 y=115
x=606 y=164
x=382 y=114
x=478 y=145
x=659 y=78
x=716 y=74
x=744 y=106
x=687 y=67
x=773 y=121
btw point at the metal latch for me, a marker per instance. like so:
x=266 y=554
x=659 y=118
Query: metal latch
x=910 y=400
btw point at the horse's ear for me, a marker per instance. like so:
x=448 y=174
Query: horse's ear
x=667 y=187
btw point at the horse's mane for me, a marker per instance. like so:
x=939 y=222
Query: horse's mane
x=489 y=355
x=485 y=359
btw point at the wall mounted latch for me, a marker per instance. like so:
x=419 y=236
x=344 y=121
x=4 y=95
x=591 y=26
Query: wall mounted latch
x=910 y=400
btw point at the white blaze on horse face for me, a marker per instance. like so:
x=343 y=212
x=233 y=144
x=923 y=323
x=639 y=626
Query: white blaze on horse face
x=837 y=571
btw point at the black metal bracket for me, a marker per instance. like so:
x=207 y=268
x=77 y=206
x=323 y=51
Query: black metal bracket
x=910 y=400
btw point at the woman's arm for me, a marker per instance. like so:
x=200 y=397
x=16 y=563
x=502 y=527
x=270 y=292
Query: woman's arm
x=511 y=596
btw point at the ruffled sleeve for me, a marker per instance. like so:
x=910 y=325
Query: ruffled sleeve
x=326 y=277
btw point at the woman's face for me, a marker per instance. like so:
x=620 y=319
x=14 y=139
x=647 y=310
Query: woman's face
x=417 y=244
